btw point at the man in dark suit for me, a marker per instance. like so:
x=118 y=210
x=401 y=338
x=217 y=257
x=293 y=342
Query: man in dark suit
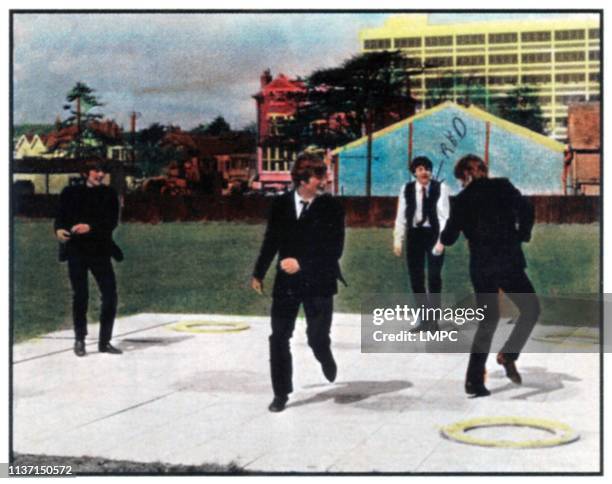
x=88 y=214
x=306 y=229
x=422 y=211
x=495 y=219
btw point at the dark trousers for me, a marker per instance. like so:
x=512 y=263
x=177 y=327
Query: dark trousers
x=418 y=251
x=102 y=270
x=318 y=311
x=517 y=286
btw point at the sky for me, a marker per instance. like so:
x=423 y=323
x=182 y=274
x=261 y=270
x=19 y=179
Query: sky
x=181 y=69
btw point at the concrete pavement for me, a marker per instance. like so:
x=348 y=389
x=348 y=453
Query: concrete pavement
x=187 y=398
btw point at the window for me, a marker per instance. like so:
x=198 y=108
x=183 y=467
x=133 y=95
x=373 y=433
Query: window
x=416 y=83
x=593 y=33
x=536 y=78
x=439 y=41
x=571 y=99
x=577 y=34
x=539 y=58
x=594 y=76
x=476 y=81
x=473 y=39
x=407 y=42
x=594 y=55
x=439 y=61
x=505 y=38
x=535 y=37
x=570 y=78
x=409 y=62
x=373 y=44
x=503 y=59
x=470 y=60
x=439 y=83
x=569 y=56
x=497 y=80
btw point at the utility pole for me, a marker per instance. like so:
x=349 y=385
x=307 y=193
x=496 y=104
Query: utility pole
x=369 y=128
x=133 y=116
x=78 y=116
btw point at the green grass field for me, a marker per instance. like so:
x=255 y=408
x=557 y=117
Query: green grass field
x=206 y=268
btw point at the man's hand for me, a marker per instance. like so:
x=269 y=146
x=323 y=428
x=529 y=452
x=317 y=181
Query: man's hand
x=62 y=235
x=290 y=265
x=257 y=285
x=397 y=250
x=438 y=249
x=80 y=229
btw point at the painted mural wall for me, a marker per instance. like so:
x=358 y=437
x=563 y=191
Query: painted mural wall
x=534 y=163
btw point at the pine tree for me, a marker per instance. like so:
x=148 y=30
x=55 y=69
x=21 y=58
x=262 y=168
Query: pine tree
x=82 y=101
x=521 y=106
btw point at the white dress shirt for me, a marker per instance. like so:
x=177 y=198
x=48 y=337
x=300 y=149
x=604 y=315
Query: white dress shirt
x=442 y=210
x=298 y=204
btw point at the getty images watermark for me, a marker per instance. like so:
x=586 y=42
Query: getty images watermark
x=447 y=323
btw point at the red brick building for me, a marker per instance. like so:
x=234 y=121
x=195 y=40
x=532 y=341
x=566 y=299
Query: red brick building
x=277 y=100
x=584 y=162
x=226 y=158
x=60 y=139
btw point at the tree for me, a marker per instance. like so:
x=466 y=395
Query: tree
x=218 y=126
x=151 y=135
x=521 y=106
x=81 y=101
x=151 y=155
x=440 y=89
x=452 y=86
x=250 y=128
x=367 y=92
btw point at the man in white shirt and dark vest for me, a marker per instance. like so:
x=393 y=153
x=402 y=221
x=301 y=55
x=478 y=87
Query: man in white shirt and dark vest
x=422 y=212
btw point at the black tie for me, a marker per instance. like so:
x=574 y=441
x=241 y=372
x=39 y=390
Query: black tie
x=304 y=207
x=423 y=199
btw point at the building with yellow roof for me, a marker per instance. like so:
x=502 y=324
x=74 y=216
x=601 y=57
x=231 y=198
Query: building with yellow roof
x=558 y=57
x=444 y=134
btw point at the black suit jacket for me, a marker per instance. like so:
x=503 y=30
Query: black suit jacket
x=99 y=208
x=316 y=241
x=495 y=219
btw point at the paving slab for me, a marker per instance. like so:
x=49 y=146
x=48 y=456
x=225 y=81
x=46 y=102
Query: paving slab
x=192 y=398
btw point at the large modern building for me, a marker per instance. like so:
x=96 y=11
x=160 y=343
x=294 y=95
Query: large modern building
x=559 y=57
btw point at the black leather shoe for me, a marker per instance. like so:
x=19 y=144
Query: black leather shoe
x=278 y=404
x=476 y=389
x=109 y=348
x=510 y=367
x=330 y=370
x=79 y=347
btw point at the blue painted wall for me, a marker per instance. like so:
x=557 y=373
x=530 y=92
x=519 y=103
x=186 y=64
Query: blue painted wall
x=444 y=137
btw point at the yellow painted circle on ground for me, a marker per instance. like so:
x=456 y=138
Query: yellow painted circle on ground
x=561 y=433
x=209 y=327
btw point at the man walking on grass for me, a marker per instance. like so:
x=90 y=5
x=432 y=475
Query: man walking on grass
x=88 y=214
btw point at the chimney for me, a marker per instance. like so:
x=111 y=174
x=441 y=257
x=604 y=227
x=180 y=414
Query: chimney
x=265 y=78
